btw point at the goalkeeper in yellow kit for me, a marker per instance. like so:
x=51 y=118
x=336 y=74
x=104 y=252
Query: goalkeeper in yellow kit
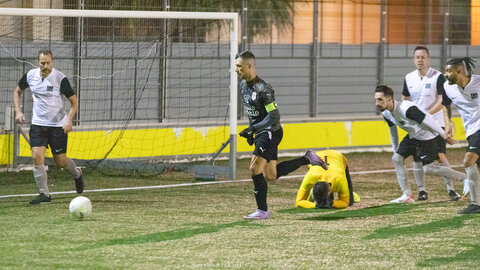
x=319 y=186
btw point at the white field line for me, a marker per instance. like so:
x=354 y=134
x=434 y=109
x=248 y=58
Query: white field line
x=185 y=184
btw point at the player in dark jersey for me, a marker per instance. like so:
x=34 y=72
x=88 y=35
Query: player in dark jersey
x=265 y=131
x=50 y=122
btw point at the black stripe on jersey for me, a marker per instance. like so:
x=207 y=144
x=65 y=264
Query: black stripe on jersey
x=415 y=114
x=390 y=124
x=65 y=88
x=405 y=91
x=23 y=84
x=440 y=81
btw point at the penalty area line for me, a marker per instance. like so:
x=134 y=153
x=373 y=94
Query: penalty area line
x=185 y=184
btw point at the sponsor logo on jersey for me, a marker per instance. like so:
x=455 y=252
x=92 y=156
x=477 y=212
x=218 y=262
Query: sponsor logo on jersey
x=251 y=111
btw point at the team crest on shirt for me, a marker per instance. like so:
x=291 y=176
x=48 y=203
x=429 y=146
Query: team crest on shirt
x=254 y=95
x=474 y=95
x=428 y=86
x=49 y=88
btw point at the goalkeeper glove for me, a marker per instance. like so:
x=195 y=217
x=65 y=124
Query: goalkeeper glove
x=248 y=132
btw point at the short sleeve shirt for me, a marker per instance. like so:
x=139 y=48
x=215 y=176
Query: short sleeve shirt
x=48 y=103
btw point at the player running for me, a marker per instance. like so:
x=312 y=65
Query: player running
x=265 y=132
x=463 y=89
x=50 y=122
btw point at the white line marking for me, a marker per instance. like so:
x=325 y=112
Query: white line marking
x=185 y=184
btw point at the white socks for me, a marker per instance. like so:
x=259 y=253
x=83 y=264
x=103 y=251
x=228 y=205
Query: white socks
x=72 y=169
x=473 y=179
x=402 y=176
x=448 y=182
x=419 y=175
x=443 y=171
x=40 y=175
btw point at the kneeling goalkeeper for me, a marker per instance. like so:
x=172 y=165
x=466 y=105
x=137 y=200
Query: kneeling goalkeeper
x=319 y=185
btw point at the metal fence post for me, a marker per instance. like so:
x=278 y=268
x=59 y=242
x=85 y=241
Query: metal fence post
x=446 y=20
x=381 y=47
x=314 y=86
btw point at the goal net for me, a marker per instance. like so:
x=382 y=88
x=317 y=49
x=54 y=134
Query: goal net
x=157 y=90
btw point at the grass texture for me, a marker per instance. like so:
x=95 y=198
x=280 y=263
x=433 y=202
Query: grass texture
x=201 y=227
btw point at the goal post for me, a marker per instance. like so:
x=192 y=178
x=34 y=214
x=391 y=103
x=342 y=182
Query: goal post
x=154 y=87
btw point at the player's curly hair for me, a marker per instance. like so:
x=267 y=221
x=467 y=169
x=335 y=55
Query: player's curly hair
x=466 y=62
x=322 y=195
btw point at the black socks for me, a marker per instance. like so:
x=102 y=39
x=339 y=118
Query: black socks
x=286 y=167
x=260 y=190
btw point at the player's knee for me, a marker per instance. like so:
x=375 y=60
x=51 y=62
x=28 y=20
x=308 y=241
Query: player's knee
x=255 y=169
x=270 y=177
x=60 y=163
x=429 y=169
x=467 y=163
x=469 y=160
x=397 y=159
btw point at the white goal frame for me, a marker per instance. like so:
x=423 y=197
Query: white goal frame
x=230 y=16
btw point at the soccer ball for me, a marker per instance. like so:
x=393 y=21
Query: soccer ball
x=81 y=207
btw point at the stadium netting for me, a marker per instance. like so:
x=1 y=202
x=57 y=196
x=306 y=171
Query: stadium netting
x=154 y=88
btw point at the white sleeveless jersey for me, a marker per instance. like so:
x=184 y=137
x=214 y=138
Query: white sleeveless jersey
x=467 y=102
x=412 y=127
x=423 y=91
x=48 y=105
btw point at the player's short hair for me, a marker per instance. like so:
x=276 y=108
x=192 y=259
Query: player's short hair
x=245 y=55
x=385 y=89
x=465 y=62
x=322 y=195
x=45 y=52
x=419 y=48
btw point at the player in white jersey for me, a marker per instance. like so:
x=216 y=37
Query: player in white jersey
x=50 y=123
x=463 y=89
x=421 y=140
x=424 y=87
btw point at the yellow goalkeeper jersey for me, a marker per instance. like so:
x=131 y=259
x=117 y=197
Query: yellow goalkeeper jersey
x=335 y=175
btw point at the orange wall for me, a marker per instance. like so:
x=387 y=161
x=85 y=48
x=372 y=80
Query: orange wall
x=475 y=22
x=354 y=26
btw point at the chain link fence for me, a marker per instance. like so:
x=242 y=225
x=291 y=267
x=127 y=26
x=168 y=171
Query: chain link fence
x=323 y=58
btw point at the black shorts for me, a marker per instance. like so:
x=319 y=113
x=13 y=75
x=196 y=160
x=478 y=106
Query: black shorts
x=49 y=136
x=424 y=151
x=441 y=144
x=474 y=143
x=266 y=144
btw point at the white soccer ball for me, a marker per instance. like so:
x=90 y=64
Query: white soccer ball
x=81 y=207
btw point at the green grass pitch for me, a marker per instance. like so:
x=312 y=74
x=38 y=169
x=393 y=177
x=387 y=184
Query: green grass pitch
x=201 y=227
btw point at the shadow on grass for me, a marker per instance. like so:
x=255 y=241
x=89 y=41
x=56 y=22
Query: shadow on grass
x=374 y=211
x=431 y=227
x=470 y=255
x=170 y=235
